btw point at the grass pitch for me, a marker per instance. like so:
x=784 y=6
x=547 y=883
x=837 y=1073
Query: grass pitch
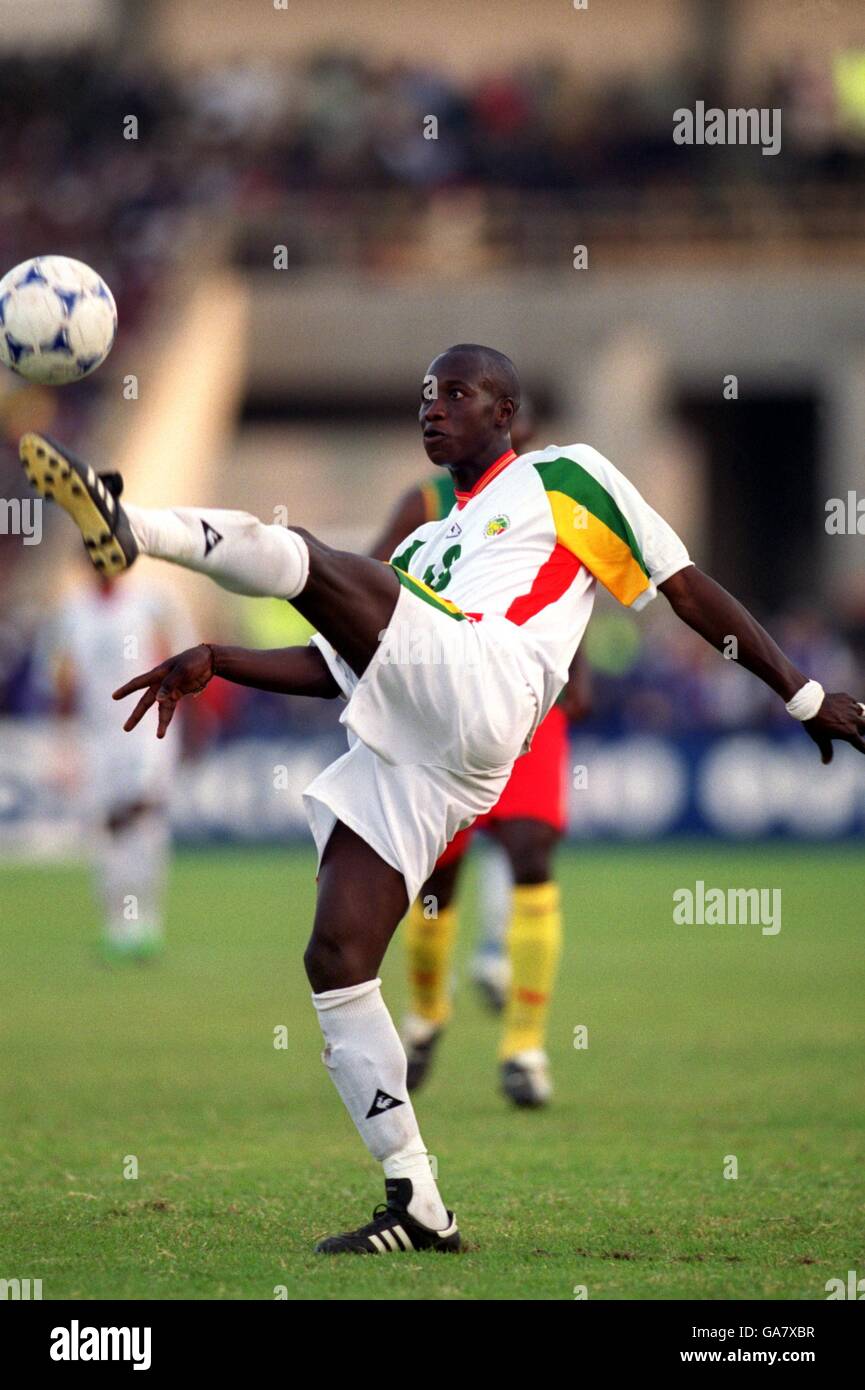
x=703 y=1042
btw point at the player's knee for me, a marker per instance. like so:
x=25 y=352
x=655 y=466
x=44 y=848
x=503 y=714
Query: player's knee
x=532 y=862
x=321 y=960
x=315 y=549
x=333 y=962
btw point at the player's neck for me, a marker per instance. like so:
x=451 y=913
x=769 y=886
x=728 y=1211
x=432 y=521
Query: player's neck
x=467 y=473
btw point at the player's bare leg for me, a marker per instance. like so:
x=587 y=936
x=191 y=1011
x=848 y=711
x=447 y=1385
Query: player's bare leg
x=429 y=937
x=361 y=900
x=534 y=947
x=353 y=927
x=349 y=598
x=530 y=846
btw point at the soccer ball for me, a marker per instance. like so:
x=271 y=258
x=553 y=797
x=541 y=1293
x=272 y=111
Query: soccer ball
x=57 y=320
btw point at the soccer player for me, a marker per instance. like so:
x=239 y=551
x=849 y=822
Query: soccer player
x=448 y=658
x=92 y=638
x=515 y=965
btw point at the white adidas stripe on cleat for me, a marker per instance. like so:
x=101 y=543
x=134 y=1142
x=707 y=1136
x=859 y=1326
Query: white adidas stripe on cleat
x=393 y=1230
x=403 y=1239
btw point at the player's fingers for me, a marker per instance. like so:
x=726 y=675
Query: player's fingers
x=166 y=714
x=139 y=682
x=857 y=742
x=827 y=752
x=140 y=709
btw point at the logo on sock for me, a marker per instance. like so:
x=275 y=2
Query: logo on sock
x=211 y=537
x=382 y=1103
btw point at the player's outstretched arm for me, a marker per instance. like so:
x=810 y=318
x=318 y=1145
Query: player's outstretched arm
x=287 y=670
x=701 y=603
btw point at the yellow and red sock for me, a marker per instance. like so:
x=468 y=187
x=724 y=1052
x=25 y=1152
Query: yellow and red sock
x=534 y=946
x=429 y=943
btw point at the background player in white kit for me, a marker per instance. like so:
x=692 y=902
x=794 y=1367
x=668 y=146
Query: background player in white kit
x=100 y=632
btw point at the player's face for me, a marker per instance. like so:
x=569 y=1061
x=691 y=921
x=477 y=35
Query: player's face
x=463 y=417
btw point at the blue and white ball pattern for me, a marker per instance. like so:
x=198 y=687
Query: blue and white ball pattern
x=58 y=320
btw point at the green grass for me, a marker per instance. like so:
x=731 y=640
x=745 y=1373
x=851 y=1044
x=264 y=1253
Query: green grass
x=703 y=1042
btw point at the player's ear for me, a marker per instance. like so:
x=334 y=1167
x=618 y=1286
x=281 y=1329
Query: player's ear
x=505 y=412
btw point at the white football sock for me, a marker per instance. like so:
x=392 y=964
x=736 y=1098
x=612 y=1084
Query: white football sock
x=131 y=874
x=234 y=548
x=494 y=898
x=367 y=1063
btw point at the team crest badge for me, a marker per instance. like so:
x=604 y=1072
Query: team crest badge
x=496 y=525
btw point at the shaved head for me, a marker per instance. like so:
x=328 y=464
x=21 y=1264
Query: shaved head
x=495 y=371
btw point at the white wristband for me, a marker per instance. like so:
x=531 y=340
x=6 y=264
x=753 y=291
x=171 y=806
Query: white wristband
x=807 y=701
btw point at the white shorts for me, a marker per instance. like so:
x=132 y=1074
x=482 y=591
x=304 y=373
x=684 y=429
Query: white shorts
x=435 y=725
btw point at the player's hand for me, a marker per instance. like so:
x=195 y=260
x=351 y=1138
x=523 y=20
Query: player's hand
x=841 y=717
x=166 y=685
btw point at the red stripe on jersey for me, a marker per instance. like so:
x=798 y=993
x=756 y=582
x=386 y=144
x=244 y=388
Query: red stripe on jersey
x=554 y=577
x=485 y=479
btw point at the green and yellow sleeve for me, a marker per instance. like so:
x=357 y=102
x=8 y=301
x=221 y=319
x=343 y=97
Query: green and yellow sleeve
x=592 y=523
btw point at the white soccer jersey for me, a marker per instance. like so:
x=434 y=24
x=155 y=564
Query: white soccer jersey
x=530 y=542
x=507 y=582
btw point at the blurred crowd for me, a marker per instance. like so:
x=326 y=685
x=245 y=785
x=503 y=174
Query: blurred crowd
x=244 y=139
x=294 y=141
x=244 y=136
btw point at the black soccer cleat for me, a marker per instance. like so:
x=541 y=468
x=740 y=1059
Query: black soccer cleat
x=91 y=499
x=491 y=977
x=420 y=1039
x=392 y=1230
x=525 y=1079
